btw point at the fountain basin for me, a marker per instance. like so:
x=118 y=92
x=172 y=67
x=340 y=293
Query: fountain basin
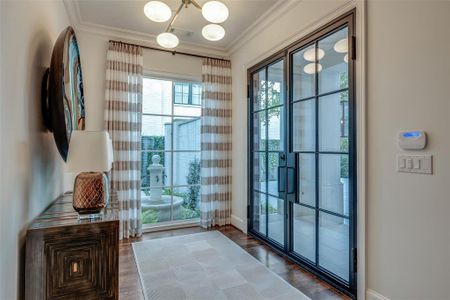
x=163 y=204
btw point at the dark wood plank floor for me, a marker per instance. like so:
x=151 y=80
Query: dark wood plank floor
x=310 y=285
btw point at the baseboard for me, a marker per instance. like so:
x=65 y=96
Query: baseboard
x=372 y=295
x=238 y=223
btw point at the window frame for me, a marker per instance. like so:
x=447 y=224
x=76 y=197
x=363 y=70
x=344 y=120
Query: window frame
x=170 y=181
x=190 y=92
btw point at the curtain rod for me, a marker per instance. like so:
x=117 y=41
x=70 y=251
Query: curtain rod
x=173 y=52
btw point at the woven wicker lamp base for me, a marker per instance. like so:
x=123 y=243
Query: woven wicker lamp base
x=90 y=193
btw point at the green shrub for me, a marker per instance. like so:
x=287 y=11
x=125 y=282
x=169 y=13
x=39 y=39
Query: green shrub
x=193 y=179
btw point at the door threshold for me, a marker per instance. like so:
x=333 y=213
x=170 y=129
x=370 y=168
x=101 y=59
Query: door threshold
x=170 y=225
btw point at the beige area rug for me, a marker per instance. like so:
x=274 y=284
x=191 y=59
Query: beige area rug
x=206 y=266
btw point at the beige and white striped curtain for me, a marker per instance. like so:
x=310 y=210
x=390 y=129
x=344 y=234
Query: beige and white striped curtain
x=124 y=79
x=215 y=205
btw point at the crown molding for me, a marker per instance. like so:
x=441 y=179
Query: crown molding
x=265 y=20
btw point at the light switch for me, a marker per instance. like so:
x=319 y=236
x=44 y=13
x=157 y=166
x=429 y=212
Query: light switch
x=422 y=164
x=409 y=163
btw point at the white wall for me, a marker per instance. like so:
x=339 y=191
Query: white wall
x=31 y=167
x=408 y=87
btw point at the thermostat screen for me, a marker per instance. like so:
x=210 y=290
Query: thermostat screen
x=411 y=134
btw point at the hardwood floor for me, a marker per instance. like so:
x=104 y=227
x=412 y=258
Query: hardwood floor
x=310 y=285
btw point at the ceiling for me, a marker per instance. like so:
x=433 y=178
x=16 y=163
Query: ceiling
x=128 y=15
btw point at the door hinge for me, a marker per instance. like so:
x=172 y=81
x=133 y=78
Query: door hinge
x=355 y=260
x=353 y=48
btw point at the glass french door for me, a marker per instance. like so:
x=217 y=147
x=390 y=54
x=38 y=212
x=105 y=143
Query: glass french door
x=302 y=158
x=268 y=148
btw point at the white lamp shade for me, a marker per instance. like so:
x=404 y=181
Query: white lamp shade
x=90 y=151
x=213 y=32
x=215 y=11
x=157 y=11
x=167 y=40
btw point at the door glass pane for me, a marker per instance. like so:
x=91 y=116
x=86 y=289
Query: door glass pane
x=304 y=236
x=334 y=244
x=259 y=171
x=303 y=73
x=186 y=202
x=273 y=173
x=276 y=129
x=275 y=84
x=259 y=212
x=334 y=183
x=333 y=122
x=186 y=133
x=334 y=74
x=259 y=131
x=186 y=168
x=259 y=90
x=157 y=96
x=307 y=179
x=156 y=133
x=276 y=219
x=304 y=126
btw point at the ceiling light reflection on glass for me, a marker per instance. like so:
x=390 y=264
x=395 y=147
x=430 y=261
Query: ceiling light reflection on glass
x=310 y=54
x=311 y=68
x=341 y=46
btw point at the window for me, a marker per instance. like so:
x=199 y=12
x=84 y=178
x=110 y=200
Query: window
x=170 y=169
x=187 y=93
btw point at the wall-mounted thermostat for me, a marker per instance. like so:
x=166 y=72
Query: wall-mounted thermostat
x=412 y=140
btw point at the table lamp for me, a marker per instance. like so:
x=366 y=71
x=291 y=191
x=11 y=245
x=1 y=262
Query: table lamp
x=90 y=155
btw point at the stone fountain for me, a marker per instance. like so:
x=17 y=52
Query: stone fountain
x=157 y=201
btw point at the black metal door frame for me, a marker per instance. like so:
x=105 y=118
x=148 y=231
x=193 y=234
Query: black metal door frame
x=287 y=159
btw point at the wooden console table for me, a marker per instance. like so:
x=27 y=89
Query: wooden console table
x=67 y=258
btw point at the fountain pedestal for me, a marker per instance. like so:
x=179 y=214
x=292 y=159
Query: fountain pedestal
x=156 y=179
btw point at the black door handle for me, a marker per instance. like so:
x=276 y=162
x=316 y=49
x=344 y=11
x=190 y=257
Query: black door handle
x=281 y=180
x=291 y=180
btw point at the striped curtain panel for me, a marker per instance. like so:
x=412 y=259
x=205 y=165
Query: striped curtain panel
x=124 y=79
x=215 y=205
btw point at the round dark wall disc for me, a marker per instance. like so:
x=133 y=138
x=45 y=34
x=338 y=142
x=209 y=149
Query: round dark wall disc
x=65 y=91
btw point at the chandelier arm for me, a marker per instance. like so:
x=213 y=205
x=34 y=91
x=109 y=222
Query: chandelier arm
x=174 y=17
x=196 y=4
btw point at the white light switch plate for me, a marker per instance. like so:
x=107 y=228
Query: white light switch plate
x=422 y=164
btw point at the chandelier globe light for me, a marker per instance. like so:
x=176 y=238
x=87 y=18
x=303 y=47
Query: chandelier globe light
x=213 y=11
x=167 y=40
x=213 y=32
x=157 y=11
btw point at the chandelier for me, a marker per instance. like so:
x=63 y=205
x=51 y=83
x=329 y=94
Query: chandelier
x=214 y=12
